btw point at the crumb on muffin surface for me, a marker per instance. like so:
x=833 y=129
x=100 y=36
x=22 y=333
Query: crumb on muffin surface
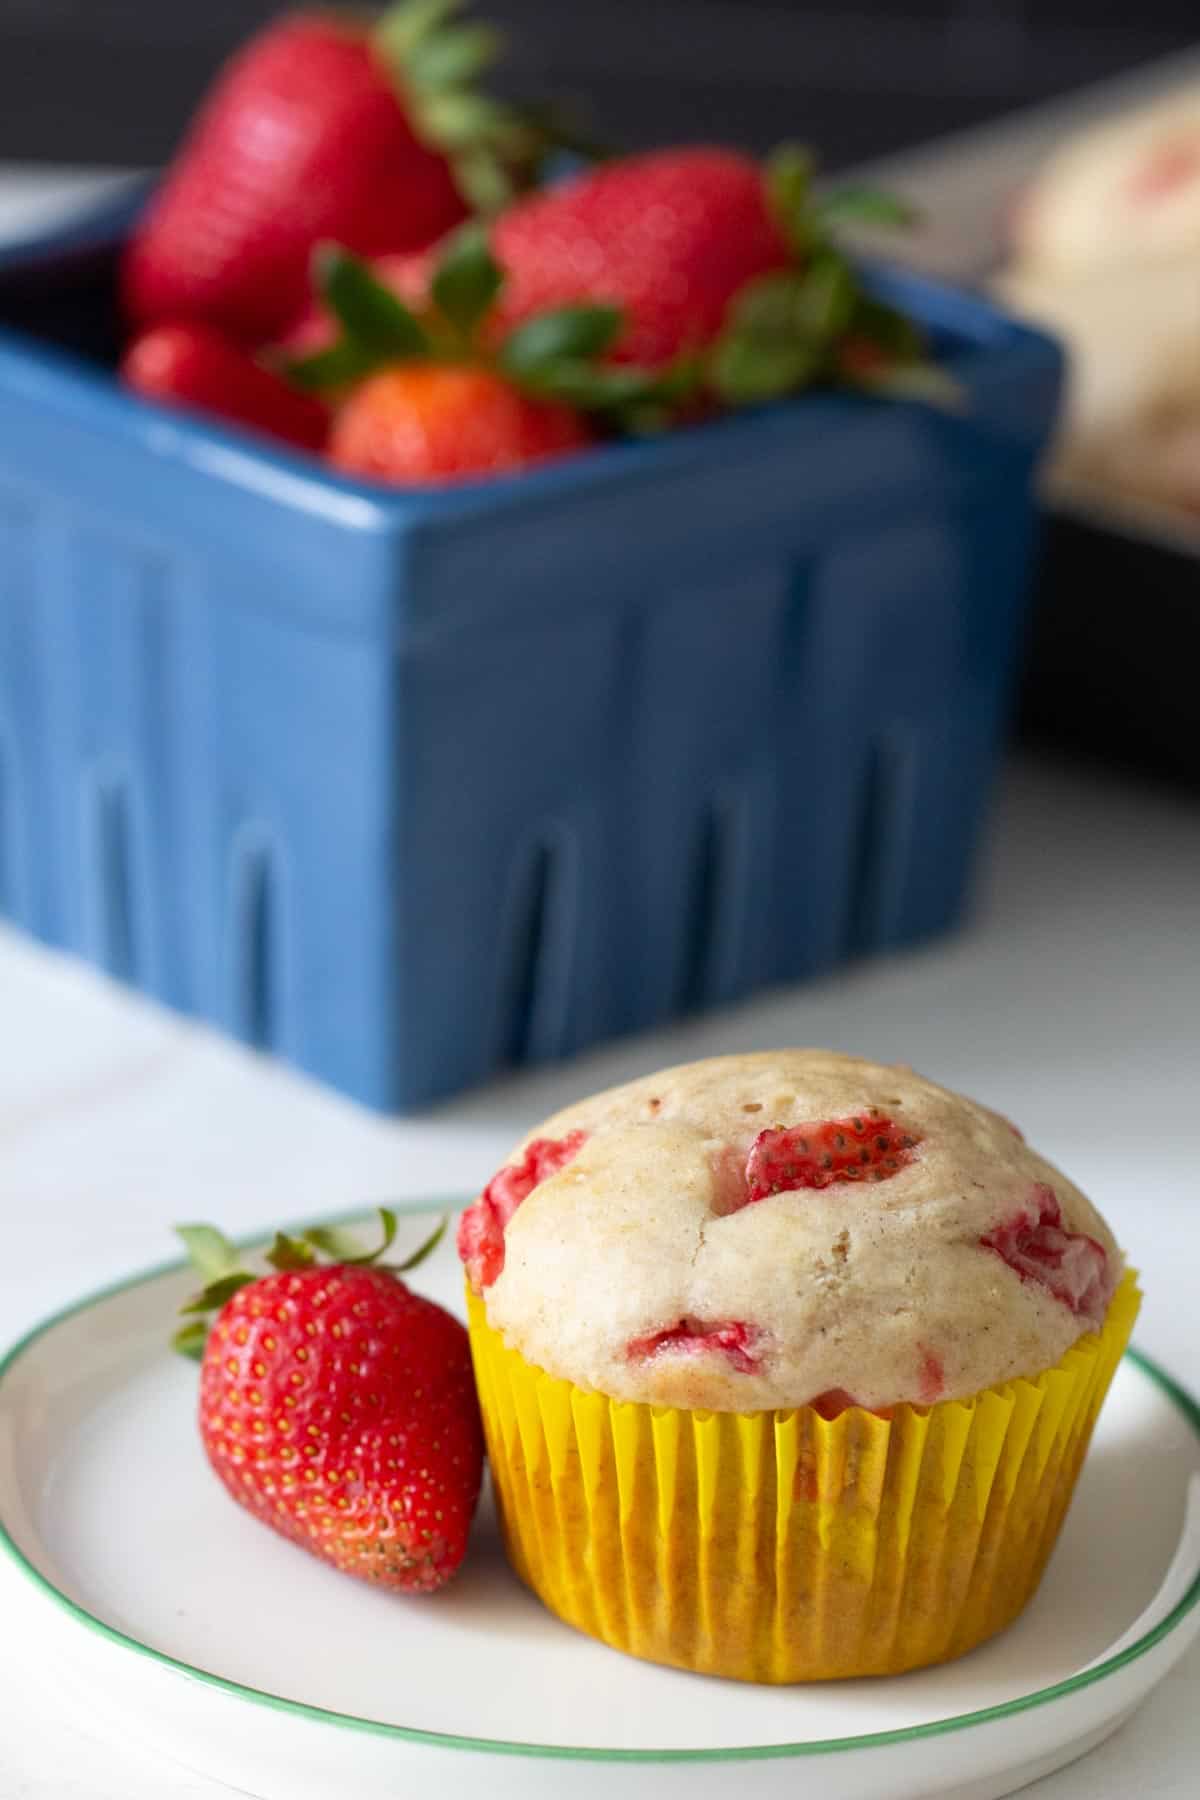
x=764 y=1231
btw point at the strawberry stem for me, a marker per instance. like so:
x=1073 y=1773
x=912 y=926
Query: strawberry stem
x=466 y=281
x=368 y=312
x=434 y=60
x=344 y=1247
x=190 y=1339
x=423 y=1251
x=816 y=322
x=220 y=1263
x=209 y=1250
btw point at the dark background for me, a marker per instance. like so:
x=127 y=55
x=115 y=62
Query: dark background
x=112 y=80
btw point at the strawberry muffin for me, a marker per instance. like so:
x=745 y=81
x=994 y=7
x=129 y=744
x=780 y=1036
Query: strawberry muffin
x=788 y=1364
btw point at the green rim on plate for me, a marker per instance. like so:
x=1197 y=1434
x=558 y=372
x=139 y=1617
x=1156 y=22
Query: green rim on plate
x=1188 y=1407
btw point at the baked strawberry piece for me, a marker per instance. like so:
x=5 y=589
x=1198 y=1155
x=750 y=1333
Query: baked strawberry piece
x=481 y=1228
x=865 y=1147
x=734 y=1340
x=1071 y=1265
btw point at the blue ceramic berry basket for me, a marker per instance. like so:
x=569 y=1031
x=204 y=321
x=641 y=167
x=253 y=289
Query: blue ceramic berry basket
x=406 y=787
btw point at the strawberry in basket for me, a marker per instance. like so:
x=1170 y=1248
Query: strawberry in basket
x=323 y=127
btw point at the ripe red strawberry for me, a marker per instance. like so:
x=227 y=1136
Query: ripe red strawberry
x=419 y=422
x=1037 y=1245
x=340 y=1409
x=670 y=237
x=323 y=126
x=866 y=1147
x=194 y=366
x=481 y=1228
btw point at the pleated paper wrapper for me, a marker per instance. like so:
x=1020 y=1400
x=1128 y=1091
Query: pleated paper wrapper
x=781 y=1546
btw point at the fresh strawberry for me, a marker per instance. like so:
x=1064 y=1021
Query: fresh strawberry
x=481 y=1228
x=1039 y=1248
x=732 y=1339
x=322 y=126
x=196 y=367
x=670 y=237
x=865 y=1147
x=422 y=423
x=339 y=1407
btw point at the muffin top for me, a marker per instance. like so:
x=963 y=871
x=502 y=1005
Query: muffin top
x=791 y=1227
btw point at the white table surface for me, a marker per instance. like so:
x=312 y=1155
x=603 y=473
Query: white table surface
x=1072 y=1004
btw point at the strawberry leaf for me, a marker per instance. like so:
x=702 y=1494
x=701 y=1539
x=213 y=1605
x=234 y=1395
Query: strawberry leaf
x=866 y=206
x=214 y=1296
x=774 y=342
x=447 y=59
x=334 y=1241
x=923 y=382
x=190 y=1339
x=466 y=280
x=811 y=306
x=746 y=372
x=459 y=119
x=343 y=1246
x=402 y=28
x=493 y=147
x=482 y=179
x=424 y=1251
x=789 y=176
x=568 y=333
x=371 y=316
x=289 y=1253
x=341 y=365
x=767 y=307
x=629 y=397
x=209 y=1251
x=827 y=297
x=590 y=386
x=387 y=1221
x=887 y=328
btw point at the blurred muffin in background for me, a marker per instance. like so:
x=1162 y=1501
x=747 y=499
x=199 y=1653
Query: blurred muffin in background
x=1106 y=254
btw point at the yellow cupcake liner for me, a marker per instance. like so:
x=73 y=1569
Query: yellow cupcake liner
x=780 y=1546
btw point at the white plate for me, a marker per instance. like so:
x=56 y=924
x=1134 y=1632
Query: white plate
x=187 y=1626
